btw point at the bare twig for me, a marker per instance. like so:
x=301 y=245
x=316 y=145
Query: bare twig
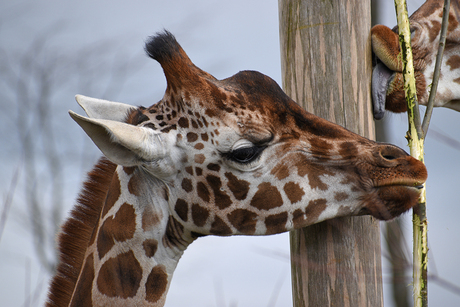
x=9 y=200
x=437 y=67
x=444 y=138
x=277 y=288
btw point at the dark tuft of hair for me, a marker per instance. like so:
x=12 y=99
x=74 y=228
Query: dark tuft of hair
x=162 y=46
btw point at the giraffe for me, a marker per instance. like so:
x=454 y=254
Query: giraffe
x=212 y=157
x=425 y=26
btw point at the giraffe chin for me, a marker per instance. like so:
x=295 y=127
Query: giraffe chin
x=389 y=202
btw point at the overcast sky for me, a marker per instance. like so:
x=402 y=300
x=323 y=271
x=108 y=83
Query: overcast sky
x=221 y=37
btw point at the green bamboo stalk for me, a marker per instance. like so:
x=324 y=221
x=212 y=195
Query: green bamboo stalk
x=415 y=137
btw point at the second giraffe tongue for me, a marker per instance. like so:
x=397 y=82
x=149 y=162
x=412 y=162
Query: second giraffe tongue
x=380 y=78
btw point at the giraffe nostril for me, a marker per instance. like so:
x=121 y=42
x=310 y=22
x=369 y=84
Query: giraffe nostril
x=390 y=153
x=389 y=157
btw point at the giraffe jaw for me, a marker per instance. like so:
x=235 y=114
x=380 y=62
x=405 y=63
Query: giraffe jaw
x=390 y=201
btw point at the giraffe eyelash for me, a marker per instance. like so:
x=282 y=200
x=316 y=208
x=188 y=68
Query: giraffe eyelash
x=245 y=155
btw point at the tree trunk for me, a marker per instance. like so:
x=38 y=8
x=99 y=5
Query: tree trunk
x=326 y=67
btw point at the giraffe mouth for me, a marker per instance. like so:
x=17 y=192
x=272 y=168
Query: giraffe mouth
x=408 y=184
x=391 y=200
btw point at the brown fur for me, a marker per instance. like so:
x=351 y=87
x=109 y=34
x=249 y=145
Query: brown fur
x=77 y=231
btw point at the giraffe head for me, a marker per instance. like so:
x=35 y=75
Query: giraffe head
x=237 y=152
x=425 y=26
x=213 y=157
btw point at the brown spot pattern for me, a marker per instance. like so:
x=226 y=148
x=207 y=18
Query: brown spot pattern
x=434 y=31
x=199 y=215
x=453 y=23
x=194 y=124
x=344 y=211
x=203 y=191
x=183 y=122
x=112 y=195
x=187 y=185
x=348 y=150
x=205 y=122
x=156 y=284
x=243 y=220
x=267 y=197
x=454 y=62
x=150 y=247
x=280 y=171
x=340 y=196
x=204 y=137
x=314 y=209
x=169 y=128
x=199 y=146
x=320 y=148
x=239 y=188
x=218 y=227
x=293 y=191
x=181 y=209
x=149 y=219
x=189 y=170
x=192 y=137
x=119 y=228
x=298 y=218
x=173 y=234
x=82 y=296
x=213 y=167
x=120 y=276
x=129 y=170
x=200 y=158
x=133 y=185
x=276 y=223
x=222 y=200
x=313 y=171
x=314 y=180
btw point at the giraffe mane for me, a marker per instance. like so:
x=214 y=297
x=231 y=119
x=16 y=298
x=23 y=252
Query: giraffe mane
x=77 y=232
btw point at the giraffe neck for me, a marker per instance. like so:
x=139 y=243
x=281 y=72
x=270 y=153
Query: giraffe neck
x=137 y=242
x=429 y=18
x=136 y=245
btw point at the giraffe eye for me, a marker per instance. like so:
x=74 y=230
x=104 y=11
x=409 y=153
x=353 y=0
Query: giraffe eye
x=245 y=154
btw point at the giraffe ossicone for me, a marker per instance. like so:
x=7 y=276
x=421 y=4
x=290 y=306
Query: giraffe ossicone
x=212 y=157
x=425 y=26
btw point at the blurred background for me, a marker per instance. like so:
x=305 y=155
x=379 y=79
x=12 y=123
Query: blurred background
x=51 y=50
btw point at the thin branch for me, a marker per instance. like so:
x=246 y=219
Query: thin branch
x=444 y=138
x=445 y=284
x=277 y=288
x=9 y=200
x=437 y=67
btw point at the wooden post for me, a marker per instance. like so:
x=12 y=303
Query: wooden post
x=326 y=67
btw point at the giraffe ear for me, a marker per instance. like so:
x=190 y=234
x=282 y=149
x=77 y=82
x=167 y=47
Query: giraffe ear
x=104 y=109
x=125 y=144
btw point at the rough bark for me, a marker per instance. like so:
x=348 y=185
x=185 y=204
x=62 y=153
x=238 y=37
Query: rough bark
x=326 y=66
